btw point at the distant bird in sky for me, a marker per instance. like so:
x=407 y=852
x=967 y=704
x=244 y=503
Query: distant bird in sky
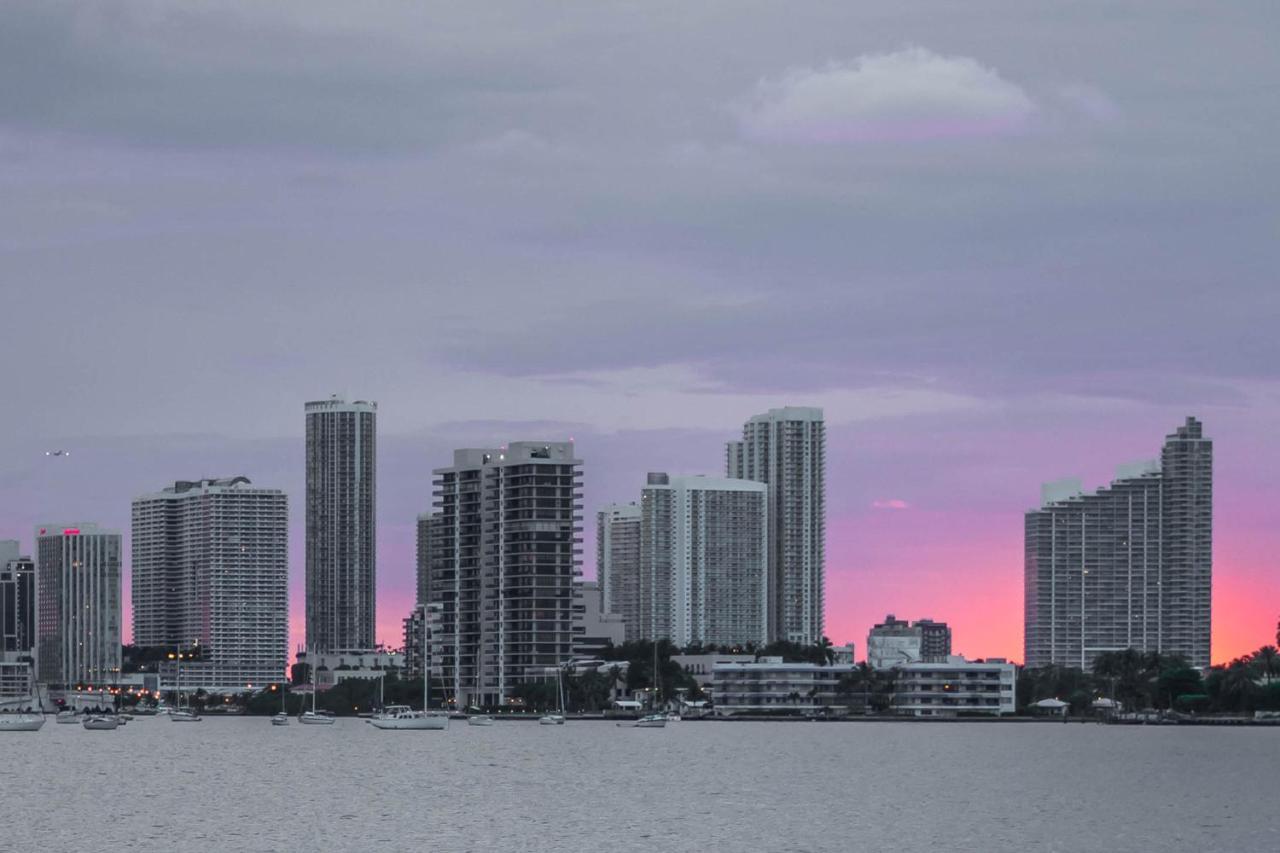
x=57 y=453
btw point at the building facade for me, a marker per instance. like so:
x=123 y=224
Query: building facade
x=423 y=555
x=704 y=561
x=594 y=627
x=618 y=563
x=17 y=600
x=341 y=541
x=211 y=570
x=956 y=686
x=893 y=642
x=935 y=640
x=1127 y=566
x=421 y=634
x=78 y=605
x=770 y=685
x=786 y=449
x=504 y=558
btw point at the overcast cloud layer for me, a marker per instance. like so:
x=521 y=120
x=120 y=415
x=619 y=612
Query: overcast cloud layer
x=998 y=242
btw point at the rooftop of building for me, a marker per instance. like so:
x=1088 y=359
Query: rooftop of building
x=83 y=528
x=338 y=403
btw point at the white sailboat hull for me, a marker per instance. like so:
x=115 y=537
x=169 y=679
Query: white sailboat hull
x=415 y=723
x=67 y=718
x=551 y=720
x=310 y=719
x=280 y=720
x=101 y=724
x=479 y=721
x=21 y=722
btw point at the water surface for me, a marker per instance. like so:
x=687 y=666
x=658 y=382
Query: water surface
x=238 y=784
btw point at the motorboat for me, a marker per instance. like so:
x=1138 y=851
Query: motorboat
x=281 y=719
x=404 y=717
x=21 y=722
x=70 y=716
x=551 y=720
x=101 y=723
x=184 y=715
x=480 y=720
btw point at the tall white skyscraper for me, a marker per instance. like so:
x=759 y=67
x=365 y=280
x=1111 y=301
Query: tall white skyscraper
x=504 y=555
x=618 y=564
x=1126 y=566
x=786 y=449
x=704 y=560
x=78 y=598
x=341 y=534
x=211 y=568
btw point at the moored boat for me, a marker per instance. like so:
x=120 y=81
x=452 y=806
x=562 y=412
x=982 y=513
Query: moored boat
x=480 y=720
x=101 y=723
x=21 y=722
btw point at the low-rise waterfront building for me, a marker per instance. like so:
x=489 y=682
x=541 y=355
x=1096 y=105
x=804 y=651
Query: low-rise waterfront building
x=702 y=667
x=333 y=667
x=770 y=685
x=956 y=686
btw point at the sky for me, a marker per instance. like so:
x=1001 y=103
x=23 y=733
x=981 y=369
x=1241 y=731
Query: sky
x=998 y=242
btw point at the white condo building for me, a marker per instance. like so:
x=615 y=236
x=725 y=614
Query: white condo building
x=956 y=686
x=211 y=569
x=704 y=564
x=786 y=450
x=1129 y=565
x=618 y=563
x=78 y=603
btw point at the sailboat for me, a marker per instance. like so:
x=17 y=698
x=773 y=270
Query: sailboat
x=556 y=719
x=23 y=721
x=315 y=717
x=282 y=718
x=402 y=717
x=180 y=714
x=654 y=719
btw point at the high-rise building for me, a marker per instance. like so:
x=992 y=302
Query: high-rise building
x=594 y=627
x=704 y=560
x=17 y=600
x=618 y=563
x=78 y=604
x=1127 y=566
x=421 y=633
x=935 y=640
x=341 y=541
x=423 y=561
x=211 y=569
x=785 y=449
x=504 y=556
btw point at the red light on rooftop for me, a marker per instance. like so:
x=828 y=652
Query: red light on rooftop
x=71 y=531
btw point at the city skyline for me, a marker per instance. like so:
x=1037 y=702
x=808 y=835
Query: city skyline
x=971 y=638
x=990 y=257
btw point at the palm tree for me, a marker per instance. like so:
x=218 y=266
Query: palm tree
x=826 y=652
x=1267 y=659
x=1239 y=684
